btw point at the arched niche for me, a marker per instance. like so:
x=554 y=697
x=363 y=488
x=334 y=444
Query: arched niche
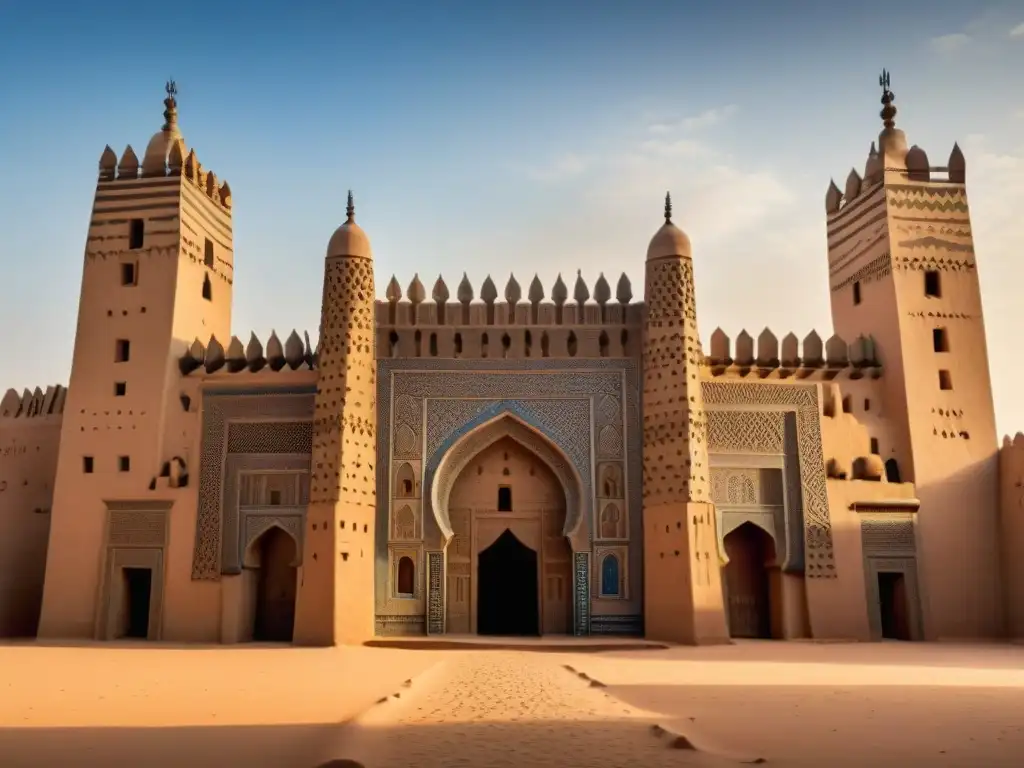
x=462 y=452
x=610 y=575
x=730 y=523
x=254 y=536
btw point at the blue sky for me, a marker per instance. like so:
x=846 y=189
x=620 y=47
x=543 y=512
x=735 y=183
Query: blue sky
x=489 y=138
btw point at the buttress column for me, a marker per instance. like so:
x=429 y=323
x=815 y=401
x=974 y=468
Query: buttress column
x=335 y=595
x=682 y=579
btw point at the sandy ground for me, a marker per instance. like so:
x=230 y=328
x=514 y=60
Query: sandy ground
x=796 y=705
x=165 y=707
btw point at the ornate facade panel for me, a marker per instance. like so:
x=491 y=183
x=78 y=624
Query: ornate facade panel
x=802 y=440
x=237 y=531
x=570 y=402
x=888 y=537
x=270 y=437
x=617 y=625
x=581 y=593
x=746 y=431
x=220 y=411
x=128 y=527
x=435 y=593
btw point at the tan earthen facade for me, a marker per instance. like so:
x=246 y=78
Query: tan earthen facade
x=516 y=464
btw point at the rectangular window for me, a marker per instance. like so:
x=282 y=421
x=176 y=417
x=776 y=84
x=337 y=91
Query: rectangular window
x=867 y=404
x=945 y=380
x=124 y=463
x=504 y=498
x=932 y=284
x=122 y=351
x=856 y=292
x=874 y=445
x=129 y=273
x=848 y=404
x=87 y=464
x=940 y=340
x=275 y=498
x=120 y=388
x=136 y=233
x=208 y=252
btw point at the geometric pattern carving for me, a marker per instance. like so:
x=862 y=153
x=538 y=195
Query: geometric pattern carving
x=617 y=625
x=888 y=538
x=219 y=410
x=609 y=442
x=270 y=437
x=582 y=593
x=137 y=529
x=746 y=431
x=803 y=399
x=405 y=523
x=735 y=486
x=435 y=593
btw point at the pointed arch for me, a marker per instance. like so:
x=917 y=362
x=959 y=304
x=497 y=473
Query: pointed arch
x=454 y=460
x=255 y=534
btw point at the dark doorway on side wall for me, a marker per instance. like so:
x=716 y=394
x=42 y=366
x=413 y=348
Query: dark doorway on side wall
x=275 y=590
x=138 y=585
x=892 y=603
x=507 y=592
x=747 y=584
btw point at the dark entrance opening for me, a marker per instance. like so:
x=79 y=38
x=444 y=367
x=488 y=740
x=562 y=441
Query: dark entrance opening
x=138 y=582
x=275 y=590
x=507 y=592
x=892 y=602
x=747 y=587
x=504 y=498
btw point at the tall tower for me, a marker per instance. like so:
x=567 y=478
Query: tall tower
x=335 y=596
x=158 y=272
x=902 y=269
x=682 y=580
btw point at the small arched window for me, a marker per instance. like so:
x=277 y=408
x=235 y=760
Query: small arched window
x=207 y=288
x=610 y=578
x=892 y=471
x=406 y=577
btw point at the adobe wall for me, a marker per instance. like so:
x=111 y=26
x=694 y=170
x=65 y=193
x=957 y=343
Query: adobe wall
x=29 y=441
x=1011 y=533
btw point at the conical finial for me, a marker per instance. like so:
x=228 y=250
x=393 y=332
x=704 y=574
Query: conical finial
x=888 y=113
x=171 y=106
x=668 y=208
x=350 y=209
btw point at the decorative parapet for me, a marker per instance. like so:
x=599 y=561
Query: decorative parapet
x=413 y=309
x=33 y=404
x=816 y=360
x=213 y=357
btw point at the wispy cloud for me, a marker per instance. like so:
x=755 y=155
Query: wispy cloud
x=706 y=119
x=951 y=43
x=1018 y=32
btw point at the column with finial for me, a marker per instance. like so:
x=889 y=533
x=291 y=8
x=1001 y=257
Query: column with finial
x=335 y=602
x=682 y=581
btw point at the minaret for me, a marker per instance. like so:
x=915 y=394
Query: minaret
x=682 y=581
x=335 y=595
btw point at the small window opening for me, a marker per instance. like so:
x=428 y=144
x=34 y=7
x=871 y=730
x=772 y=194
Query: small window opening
x=892 y=471
x=856 y=292
x=136 y=233
x=87 y=464
x=945 y=380
x=504 y=498
x=207 y=288
x=458 y=344
x=124 y=463
x=208 y=252
x=932 y=284
x=120 y=388
x=940 y=340
x=406 y=586
x=874 y=445
x=847 y=404
x=483 y=345
x=407 y=487
x=128 y=276
x=275 y=498
x=122 y=351
x=433 y=345
x=867 y=404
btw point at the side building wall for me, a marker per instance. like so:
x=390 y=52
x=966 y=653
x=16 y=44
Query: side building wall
x=29 y=442
x=1011 y=477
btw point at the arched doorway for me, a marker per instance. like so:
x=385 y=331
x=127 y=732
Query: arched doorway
x=747 y=584
x=507 y=591
x=274 y=617
x=509 y=562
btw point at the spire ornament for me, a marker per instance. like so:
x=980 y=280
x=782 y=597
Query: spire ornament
x=350 y=209
x=668 y=208
x=171 y=106
x=888 y=113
